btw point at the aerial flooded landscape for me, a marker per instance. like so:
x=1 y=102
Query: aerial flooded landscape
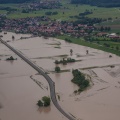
x=59 y=69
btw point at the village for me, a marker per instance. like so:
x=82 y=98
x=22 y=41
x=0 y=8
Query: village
x=44 y=26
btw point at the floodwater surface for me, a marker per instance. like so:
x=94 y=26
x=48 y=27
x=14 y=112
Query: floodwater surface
x=19 y=92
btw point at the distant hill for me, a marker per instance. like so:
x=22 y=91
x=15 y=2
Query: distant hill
x=99 y=3
x=14 y=1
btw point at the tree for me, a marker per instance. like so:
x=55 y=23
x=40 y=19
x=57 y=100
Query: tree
x=46 y=101
x=110 y=56
x=11 y=58
x=39 y=103
x=55 y=13
x=13 y=1
x=57 y=69
x=13 y=37
x=87 y=51
x=25 y=11
x=99 y=3
x=117 y=48
x=71 y=51
x=48 y=13
x=80 y=80
x=56 y=62
x=102 y=28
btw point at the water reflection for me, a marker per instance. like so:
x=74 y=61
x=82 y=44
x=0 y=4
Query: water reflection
x=11 y=61
x=44 y=109
x=1 y=106
x=57 y=75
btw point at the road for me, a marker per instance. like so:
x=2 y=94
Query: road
x=49 y=80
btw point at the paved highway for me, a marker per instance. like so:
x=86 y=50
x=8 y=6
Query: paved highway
x=49 y=80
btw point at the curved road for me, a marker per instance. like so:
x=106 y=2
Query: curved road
x=49 y=80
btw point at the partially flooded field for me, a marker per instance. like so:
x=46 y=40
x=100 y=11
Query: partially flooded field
x=21 y=86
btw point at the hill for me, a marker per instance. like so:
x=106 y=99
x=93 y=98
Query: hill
x=99 y=3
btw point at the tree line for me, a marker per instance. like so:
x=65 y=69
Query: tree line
x=14 y=1
x=99 y=3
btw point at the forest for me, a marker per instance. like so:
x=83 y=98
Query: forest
x=99 y=3
x=14 y=1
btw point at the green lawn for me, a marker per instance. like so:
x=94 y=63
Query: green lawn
x=112 y=44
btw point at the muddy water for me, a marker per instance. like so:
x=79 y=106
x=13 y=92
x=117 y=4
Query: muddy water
x=19 y=92
x=100 y=101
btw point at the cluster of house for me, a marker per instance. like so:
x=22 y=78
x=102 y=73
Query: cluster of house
x=38 y=26
x=46 y=27
x=2 y=15
x=111 y=35
x=24 y=25
x=48 y=4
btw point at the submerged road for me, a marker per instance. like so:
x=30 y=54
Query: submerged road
x=49 y=80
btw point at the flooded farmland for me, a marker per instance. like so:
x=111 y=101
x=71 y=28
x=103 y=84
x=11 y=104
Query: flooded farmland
x=19 y=92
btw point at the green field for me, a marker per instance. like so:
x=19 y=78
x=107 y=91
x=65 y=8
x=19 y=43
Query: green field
x=69 y=10
x=100 y=46
x=3 y=12
x=114 y=24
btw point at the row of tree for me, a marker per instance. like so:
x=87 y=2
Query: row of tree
x=14 y=1
x=99 y=3
x=51 y=13
x=87 y=12
x=65 y=61
x=86 y=20
x=102 y=28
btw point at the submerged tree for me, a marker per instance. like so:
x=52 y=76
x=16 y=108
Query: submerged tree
x=71 y=51
x=39 y=103
x=87 y=51
x=46 y=101
x=57 y=69
x=13 y=37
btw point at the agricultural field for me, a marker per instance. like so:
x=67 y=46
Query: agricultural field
x=66 y=11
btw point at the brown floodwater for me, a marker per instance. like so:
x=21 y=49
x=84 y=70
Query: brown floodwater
x=19 y=93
